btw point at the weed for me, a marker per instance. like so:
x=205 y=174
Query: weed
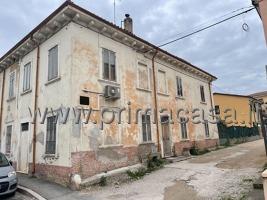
x=103 y=181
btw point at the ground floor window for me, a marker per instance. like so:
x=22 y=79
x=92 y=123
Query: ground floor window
x=8 y=139
x=146 y=128
x=207 y=131
x=51 y=128
x=183 y=128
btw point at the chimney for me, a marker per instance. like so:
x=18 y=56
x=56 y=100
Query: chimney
x=128 y=23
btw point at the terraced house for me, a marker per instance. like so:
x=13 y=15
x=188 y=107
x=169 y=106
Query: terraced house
x=75 y=59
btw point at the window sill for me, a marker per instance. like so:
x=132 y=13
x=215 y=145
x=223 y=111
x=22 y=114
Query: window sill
x=144 y=143
x=204 y=103
x=111 y=145
x=26 y=92
x=180 y=97
x=11 y=99
x=163 y=94
x=53 y=80
x=109 y=82
x=185 y=140
x=143 y=89
x=50 y=156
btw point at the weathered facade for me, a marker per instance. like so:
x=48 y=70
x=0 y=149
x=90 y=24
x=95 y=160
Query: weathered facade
x=68 y=61
x=244 y=110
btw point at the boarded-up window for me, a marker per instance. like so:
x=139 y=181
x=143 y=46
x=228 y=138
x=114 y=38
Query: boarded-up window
x=162 y=83
x=143 y=76
x=53 y=63
x=146 y=128
x=109 y=65
x=207 y=131
x=11 y=85
x=51 y=128
x=183 y=127
x=27 y=77
x=202 y=93
x=8 y=138
x=179 y=86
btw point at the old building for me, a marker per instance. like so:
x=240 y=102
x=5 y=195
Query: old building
x=242 y=108
x=261 y=6
x=75 y=59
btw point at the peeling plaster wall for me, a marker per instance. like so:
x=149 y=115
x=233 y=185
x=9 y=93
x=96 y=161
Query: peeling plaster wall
x=85 y=148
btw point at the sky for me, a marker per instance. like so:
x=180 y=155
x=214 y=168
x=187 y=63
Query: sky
x=235 y=56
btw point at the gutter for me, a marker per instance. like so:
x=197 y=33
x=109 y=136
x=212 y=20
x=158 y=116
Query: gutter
x=155 y=99
x=35 y=109
x=2 y=101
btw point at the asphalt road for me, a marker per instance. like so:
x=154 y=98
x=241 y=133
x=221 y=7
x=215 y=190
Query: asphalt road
x=18 y=196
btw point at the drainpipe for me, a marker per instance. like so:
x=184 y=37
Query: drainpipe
x=211 y=97
x=155 y=98
x=35 y=109
x=2 y=101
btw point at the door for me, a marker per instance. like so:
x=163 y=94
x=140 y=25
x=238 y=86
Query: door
x=166 y=137
x=23 y=158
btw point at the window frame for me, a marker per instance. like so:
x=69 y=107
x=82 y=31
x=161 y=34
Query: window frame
x=179 y=87
x=202 y=94
x=109 y=65
x=28 y=76
x=8 y=151
x=10 y=96
x=48 y=66
x=166 y=82
x=148 y=69
x=148 y=128
x=206 y=127
x=183 y=127
x=55 y=134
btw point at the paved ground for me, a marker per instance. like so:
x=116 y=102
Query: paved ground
x=223 y=174
x=18 y=196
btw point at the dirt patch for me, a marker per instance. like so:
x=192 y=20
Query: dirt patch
x=180 y=191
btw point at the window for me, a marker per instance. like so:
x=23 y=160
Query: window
x=202 y=94
x=179 y=86
x=162 y=84
x=217 y=109
x=27 y=77
x=183 y=128
x=11 y=85
x=53 y=63
x=109 y=65
x=84 y=100
x=25 y=126
x=207 y=131
x=146 y=128
x=8 y=138
x=143 y=76
x=51 y=128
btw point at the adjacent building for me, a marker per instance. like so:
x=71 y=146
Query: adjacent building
x=243 y=109
x=75 y=64
x=261 y=6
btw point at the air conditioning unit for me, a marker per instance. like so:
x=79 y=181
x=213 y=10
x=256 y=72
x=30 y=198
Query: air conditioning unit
x=112 y=92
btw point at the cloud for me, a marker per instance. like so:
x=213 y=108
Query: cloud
x=236 y=57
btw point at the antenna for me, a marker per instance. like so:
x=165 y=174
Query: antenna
x=114 y=11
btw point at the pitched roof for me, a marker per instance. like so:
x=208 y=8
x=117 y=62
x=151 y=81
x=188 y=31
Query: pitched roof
x=70 y=4
x=259 y=94
x=234 y=95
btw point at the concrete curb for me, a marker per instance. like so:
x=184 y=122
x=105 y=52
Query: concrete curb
x=30 y=193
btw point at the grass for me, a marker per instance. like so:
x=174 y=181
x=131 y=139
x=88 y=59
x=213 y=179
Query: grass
x=153 y=164
x=103 y=181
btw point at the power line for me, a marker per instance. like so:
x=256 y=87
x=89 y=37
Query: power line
x=209 y=20
x=207 y=27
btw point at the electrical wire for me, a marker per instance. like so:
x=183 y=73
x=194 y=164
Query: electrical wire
x=205 y=28
x=210 y=20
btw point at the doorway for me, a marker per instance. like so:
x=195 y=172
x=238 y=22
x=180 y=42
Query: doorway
x=166 y=136
x=23 y=158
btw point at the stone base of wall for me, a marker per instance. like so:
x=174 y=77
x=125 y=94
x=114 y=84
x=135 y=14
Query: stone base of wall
x=183 y=147
x=57 y=174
